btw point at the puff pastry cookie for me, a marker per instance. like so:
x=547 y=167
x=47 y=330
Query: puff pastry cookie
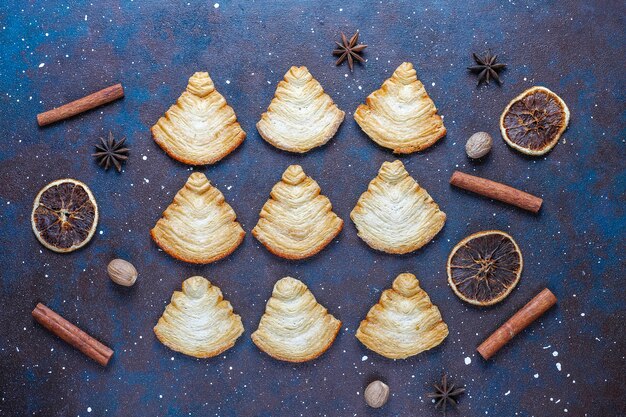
x=295 y=327
x=404 y=322
x=297 y=221
x=395 y=214
x=400 y=115
x=200 y=128
x=199 y=226
x=301 y=115
x=199 y=322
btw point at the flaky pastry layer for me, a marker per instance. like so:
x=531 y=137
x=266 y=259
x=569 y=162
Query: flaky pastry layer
x=400 y=115
x=199 y=322
x=297 y=221
x=201 y=128
x=199 y=226
x=301 y=115
x=404 y=322
x=295 y=327
x=395 y=214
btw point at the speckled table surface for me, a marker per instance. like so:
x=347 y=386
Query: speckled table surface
x=569 y=363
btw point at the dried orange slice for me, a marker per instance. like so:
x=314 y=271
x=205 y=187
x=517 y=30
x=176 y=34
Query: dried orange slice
x=484 y=267
x=533 y=122
x=65 y=215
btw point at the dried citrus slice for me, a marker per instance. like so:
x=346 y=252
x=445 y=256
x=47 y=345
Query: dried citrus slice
x=484 y=267
x=65 y=215
x=533 y=122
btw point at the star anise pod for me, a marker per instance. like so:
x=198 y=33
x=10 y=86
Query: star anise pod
x=487 y=68
x=445 y=394
x=349 y=49
x=111 y=152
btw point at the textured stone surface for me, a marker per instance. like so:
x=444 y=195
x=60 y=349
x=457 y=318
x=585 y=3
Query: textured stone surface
x=566 y=364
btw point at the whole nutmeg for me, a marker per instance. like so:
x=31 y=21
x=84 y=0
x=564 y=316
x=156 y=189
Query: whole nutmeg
x=122 y=272
x=376 y=394
x=478 y=145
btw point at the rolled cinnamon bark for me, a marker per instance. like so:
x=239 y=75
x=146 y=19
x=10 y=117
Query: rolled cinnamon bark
x=518 y=322
x=72 y=334
x=89 y=102
x=497 y=191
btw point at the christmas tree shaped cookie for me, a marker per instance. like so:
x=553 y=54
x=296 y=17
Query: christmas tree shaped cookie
x=301 y=115
x=201 y=128
x=395 y=214
x=199 y=322
x=199 y=226
x=400 y=115
x=404 y=322
x=297 y=221
x=295 y=327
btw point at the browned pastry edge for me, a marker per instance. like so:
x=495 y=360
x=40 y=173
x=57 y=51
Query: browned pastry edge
x=308 y=358
x=411 y=149
x=274 y=143
x=402 y=149
x=188 y=161
x=196 y=261
x=307 y=254
x=210 y=354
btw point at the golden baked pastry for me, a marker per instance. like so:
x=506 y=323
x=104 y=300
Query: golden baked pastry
x=395 y=214
x=404 y=322
x=199 y=322
x=301 y=115
x=295 y=327
x=201 y=128
x=199 y=226
x=297 y=221
x=400 y=115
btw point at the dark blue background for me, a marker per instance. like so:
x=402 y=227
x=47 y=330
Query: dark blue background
x=54 y=52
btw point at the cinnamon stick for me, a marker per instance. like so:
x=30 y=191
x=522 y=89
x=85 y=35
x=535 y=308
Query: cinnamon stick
x=72 y=334
x=497 y=191
x=518 y=322
x=89 y=102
